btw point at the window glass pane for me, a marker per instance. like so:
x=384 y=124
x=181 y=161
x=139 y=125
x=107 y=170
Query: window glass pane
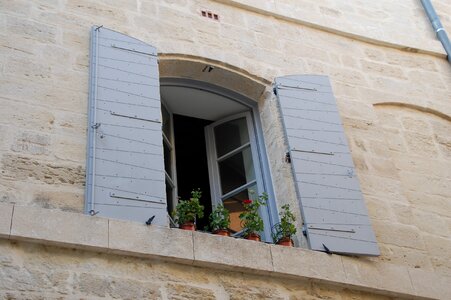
x=167 y=159
x=231 y=135
x=166 y=122
x=235 y=206
x=236 y=170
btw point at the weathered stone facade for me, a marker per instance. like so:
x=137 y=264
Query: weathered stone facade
x=392 y=84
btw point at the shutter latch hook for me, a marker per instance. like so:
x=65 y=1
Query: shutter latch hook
x=288 y=157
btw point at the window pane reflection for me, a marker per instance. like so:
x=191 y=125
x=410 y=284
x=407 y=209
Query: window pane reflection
x=231 y=135
x=236 y=170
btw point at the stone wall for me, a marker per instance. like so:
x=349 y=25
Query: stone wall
x=401 y=25
x=28 y=271
x=394 y=105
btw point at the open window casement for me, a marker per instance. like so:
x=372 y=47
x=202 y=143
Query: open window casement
x=333 y=209
x=234 y=166
x=125 y=165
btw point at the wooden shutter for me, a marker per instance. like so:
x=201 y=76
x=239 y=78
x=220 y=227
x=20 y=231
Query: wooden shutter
x=125 y=168
x=333 y=209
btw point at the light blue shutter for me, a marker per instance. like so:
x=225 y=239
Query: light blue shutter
x=333 y=209
x=125 y=168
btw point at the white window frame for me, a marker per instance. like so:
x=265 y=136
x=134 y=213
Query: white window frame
x=170 y=142
x=213 y=163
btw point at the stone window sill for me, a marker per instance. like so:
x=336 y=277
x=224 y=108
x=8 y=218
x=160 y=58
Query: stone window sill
x=63 y=229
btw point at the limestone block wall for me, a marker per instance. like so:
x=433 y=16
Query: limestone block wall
x=29 y=271
x=401 y=25
x=394 y=105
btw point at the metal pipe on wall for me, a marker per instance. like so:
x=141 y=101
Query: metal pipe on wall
x=438 y=27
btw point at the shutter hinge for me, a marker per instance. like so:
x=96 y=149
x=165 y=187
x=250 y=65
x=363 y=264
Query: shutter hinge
x=95 y=126
x=288 y=157
x=274 y=90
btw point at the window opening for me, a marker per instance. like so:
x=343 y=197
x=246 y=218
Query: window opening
x=191 y=161
x=211 y=144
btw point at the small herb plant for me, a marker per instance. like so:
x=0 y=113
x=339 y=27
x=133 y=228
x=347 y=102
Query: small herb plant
x=250 y=219
x=219 y=218
x=286 y=228
x=187 y=211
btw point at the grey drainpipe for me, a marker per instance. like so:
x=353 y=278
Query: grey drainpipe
x=438 y=27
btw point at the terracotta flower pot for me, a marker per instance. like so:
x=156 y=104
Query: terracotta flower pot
x=253 y=237
x=223 y=232
x=286 y=241
x=188 y=226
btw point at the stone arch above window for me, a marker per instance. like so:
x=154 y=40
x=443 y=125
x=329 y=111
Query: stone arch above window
x=213 y=72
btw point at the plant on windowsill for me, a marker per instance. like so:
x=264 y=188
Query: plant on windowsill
x=251 y=221
x=283 y=231
x=187 y=211
x=220 y=221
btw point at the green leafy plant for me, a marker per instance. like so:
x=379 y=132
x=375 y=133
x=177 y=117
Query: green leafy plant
x=250 y=219
x=188 y=210
x=286 y=228
x=219 y=218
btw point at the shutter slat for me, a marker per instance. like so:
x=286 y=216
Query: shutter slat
x=112 y=38
x=319 y=167
x=127 y=179
x=306 y=123
x=129 y=86
x=125 y=58
x=136 y=72
x=326 y=190
x=333 y=208
x=339 y=218
x=341 y=243
x=335 y=205
x=304 y=96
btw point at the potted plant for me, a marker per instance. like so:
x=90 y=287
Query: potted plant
x=220 y=221
x=250 y=219
x=187 y=211
x=283 y=231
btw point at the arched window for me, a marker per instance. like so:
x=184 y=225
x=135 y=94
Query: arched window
x=211 y=142
x=144 y=150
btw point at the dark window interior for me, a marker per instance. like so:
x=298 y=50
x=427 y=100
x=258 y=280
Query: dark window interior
x=191 y=161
